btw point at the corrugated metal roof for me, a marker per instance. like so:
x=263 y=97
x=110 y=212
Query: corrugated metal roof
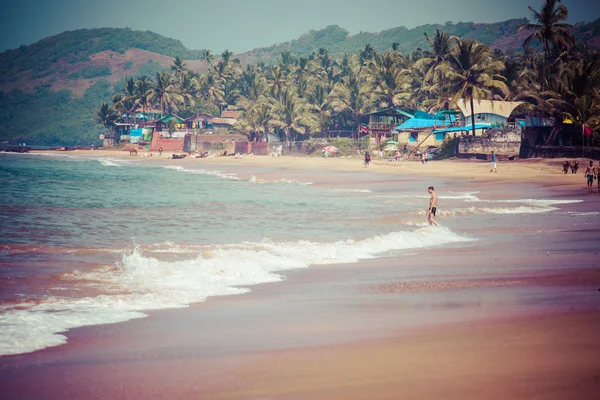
x=420 y=123
x=223 y=121
x=392 y=110
x=463 y=128
x=231 y=114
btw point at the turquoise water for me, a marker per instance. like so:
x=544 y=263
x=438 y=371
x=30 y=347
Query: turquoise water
x=85 y=202
x=91 y=240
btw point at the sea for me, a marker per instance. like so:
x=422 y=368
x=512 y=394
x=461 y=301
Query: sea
x=90 y=239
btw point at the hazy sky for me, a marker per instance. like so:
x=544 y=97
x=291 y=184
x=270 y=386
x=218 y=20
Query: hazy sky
x=241 y=25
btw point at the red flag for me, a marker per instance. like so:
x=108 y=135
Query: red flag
x=587 y=131
x=364 y=129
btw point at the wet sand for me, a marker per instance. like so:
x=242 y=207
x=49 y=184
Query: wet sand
x=494 y=321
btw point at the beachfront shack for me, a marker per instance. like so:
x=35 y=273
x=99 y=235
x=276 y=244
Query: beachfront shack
x=382 y=122
x=198 y=121
x=418 y=131
x=487 y=112
x=160 y=125
x=227 y=120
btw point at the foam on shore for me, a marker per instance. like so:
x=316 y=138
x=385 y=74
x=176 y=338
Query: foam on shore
x=139 y=282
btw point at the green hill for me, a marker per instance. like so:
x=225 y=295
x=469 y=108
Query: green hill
x=49 y=90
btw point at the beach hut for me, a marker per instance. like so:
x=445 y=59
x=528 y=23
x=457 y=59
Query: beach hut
x=493 y=112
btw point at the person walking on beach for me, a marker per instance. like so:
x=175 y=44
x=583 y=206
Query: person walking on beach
x=367 y=159
x=494 y=167
x=432 y=206
x=589 y=174
x=160 y=151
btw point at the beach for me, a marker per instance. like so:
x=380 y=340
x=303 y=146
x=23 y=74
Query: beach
x=508 y=308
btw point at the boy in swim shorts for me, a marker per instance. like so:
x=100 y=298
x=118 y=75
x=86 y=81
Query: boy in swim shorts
x=432 y=206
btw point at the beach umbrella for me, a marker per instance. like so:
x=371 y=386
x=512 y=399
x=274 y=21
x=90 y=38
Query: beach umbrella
x=331 y=149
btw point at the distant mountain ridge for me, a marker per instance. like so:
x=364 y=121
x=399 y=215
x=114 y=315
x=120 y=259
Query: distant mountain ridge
x=75 y=60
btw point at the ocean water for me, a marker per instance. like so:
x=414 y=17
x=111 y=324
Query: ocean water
x=95 y=240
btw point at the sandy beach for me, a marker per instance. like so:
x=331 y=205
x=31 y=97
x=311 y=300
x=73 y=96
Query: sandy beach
x=537 y=171
x=524 y=327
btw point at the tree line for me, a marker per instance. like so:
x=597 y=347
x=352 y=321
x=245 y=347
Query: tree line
x=298 y=97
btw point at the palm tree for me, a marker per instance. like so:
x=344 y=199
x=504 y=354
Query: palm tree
x=288 y=113
x=106 y=116
x=319 y=103
x=388 y=80
x=577 y=97
x=141 y=92
x=549 y=31
x=164 y=93
x=353 y=95
x=277 y=81
x=264 y=117
x=440 y=51
x=178 y=65
x=252 y=85
x=471 y=73
x=226 y=56
x=208 y=57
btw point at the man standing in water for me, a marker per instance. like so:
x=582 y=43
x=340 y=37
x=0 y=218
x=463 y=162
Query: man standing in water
x=432 y=206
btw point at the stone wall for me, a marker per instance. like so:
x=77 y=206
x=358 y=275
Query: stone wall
x=559 y=152
x=501 y=141
x=201 y=143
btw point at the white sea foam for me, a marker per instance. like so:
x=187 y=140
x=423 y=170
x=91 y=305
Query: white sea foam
x=490 y=210
x=467 y=197
x=583 y=213
x=108 y=162
x=540 y=202
x=218 y=174
x=353 y=190
x=140 y=282
x=295 y=182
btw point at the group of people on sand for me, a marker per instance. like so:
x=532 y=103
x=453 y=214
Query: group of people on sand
x=592 y=173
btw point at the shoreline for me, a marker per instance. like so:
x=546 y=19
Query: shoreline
x=246 y=353
x=541 y=171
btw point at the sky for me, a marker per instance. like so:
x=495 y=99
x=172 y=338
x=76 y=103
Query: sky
x=242 y=25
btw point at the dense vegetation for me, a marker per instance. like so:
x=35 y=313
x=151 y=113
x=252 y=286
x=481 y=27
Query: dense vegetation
x=304 y=95
x=315 y=77
x=58 y=118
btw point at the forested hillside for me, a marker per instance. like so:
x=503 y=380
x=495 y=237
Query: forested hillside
x=48 y=90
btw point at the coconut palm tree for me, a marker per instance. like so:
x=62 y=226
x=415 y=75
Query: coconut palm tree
x=164 y=93
x=178 y=66
x=141 y=92
x=549 y=31
x=388 y=81
x=471 y=73
x=319 y=103
x=208 y=57
x=264 y=117
x=440 y=51
x=577 y=96
x=288 y=113
x=252 y=85
x=106 y=116
x=353 y=95
x=226 y=56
